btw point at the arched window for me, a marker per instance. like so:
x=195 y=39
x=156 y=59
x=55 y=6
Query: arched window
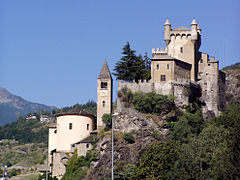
x=70 y=125
x=103 y=103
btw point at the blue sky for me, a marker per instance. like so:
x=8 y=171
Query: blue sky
x=51 y=52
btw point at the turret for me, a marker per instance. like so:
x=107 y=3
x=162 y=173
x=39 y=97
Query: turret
x=167 y=30
x=194 y=35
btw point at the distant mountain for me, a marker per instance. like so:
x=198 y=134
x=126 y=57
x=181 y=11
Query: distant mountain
x=11 y=106
x=232 y=67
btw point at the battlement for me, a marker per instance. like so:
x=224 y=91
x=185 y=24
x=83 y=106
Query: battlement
x=161 y=51
x=212 y=59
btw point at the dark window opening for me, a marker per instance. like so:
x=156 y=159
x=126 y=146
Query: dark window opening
x=201 y=61
x=205 y=83
x=103 y=84
x=55 y=132
x=167 y=66
x=181 y=49
x=208 y=64
x=157 y=66
x=163 y=78
x=87 y=126
x=103 y=103
x=70 y=126
x=87 y=145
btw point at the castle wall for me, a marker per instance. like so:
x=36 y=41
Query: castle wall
x=162 y=68
x=81 y=126
x=52 y=142
x=144 y=86
x=180 y=91
x=182 y=72
x=82 y=148
x=59 y=164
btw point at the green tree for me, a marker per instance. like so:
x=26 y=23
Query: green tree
x=130 y=67
x=107 y=120
x=157 y=161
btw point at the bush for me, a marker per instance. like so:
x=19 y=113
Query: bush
x=128 y=137
x=107 y=120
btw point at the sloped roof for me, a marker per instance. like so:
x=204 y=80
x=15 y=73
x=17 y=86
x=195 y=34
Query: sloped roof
x=105 y=73
x=182 y=29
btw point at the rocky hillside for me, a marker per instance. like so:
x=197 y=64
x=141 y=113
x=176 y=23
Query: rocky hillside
x=11 y=106
x=134 y=131
x=232 y=80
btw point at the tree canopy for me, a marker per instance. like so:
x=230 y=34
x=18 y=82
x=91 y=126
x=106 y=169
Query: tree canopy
x=132 y=67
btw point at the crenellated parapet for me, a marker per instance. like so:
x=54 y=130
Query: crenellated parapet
x=159 y=51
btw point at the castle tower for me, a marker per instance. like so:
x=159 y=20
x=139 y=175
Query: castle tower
x=183 y=44
x=104 y=94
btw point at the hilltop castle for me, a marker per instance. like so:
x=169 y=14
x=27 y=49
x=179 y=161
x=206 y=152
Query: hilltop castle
x=180 y=69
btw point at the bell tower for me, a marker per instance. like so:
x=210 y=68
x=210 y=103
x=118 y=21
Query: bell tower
x=104 y=94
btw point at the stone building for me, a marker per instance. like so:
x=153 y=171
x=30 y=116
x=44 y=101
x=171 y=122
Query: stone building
x=181 y=65
x=73 y=129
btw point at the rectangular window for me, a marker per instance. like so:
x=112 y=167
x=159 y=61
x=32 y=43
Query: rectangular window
x=87 y=126
x=167 y=66
x=163 y=78
x=157 y=66
x=208 y=64
x=181 y=49
x=87 y=145
x=70 y=126
x=104 y=85
x=201 y=61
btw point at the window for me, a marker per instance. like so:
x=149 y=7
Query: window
x=157 y=66
x=55 y=131
x=70 y=126
x=205 y=83
x=208 y=64
x=167 y=66
x=181 y=49
x=103 y=103
x=201 y=61
x=87 y=145
x=103 y=84
x=163 y=78
x=87 y=126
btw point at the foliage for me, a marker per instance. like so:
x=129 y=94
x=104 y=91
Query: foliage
x=157 y=161
x=74 y=165
x=90 y=107
x=128 y=137
x=189 y=124
x=22 y=131
x=43 y=176
x=14 y=172
x=132 y=67
x=107 y=120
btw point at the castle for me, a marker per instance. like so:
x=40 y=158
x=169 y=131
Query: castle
x=180 y=70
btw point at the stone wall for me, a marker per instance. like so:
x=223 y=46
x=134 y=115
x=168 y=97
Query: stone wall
x=59 y=164
x=135 y=87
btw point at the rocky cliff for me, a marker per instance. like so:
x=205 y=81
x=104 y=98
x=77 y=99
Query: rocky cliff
x=233 y=83
x=145 y=129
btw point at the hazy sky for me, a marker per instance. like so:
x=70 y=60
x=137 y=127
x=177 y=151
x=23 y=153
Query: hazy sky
x=51 y=51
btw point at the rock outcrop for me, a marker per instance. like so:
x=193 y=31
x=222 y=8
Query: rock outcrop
x=145 y=131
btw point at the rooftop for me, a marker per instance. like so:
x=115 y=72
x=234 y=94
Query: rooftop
x=105 y=73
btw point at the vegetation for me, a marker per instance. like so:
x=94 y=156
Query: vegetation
x=107 y=120
x=132 y=67
x=197 y=150
x=75 y=165
x=128 y=137
x=147 y=102
x=90 y=107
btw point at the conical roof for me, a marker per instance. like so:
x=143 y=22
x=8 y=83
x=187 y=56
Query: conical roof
x=167 y=22
x=105 y=73
x=194 y=22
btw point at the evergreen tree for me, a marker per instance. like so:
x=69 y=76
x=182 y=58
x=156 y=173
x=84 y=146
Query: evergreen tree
x=130 y=67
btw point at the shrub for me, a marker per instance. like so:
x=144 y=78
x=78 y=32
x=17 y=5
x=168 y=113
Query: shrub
x=107 y=120
x=128 y=137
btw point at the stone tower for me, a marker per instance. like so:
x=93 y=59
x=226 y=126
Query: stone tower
x=104 y=94
x=183 y=44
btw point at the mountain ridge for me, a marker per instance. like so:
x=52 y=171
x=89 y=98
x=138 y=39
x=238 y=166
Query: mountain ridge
x=11 y=106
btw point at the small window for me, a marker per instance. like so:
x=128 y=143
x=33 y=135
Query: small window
x=87 y=126
x=167 y=66
x=103 y=103
x=208 y=64
x=163 y=78
x=87 y=145
x=181 y=49
x=157 y=66
x=104 y=85
x=70 y=126
x=205 y=83
x=201 y=61
x=55 y=131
